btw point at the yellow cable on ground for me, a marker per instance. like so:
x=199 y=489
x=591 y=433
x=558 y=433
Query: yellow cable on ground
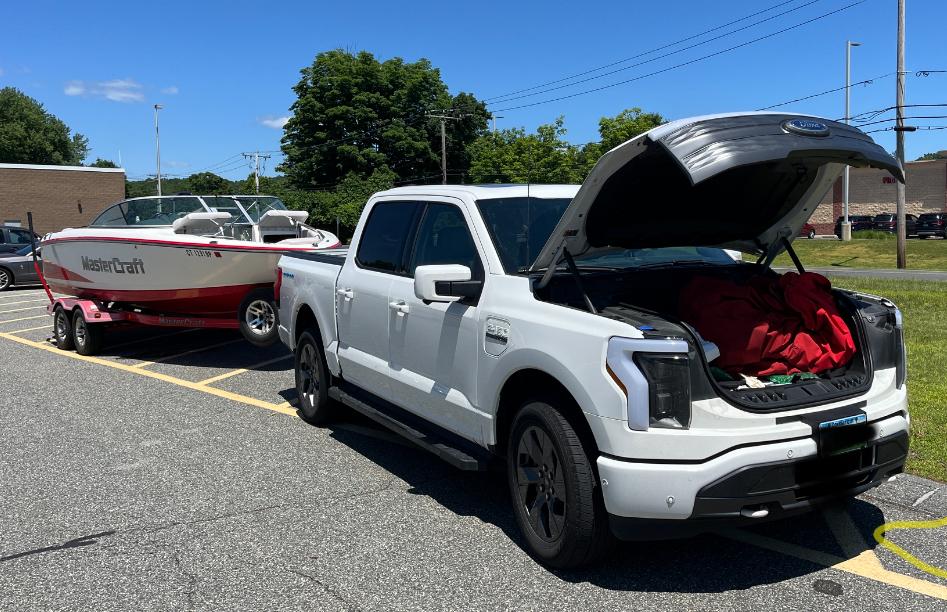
x=921 y=565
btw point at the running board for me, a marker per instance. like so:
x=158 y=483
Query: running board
x=469 y=459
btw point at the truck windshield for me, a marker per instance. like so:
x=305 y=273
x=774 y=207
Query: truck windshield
x=519 y=227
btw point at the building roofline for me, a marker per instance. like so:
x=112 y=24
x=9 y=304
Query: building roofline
x=67 y=168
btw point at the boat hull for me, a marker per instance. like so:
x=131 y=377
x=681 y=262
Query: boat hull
x=197 y=276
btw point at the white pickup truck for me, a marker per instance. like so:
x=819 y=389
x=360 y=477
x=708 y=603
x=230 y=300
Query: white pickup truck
x=538 y=326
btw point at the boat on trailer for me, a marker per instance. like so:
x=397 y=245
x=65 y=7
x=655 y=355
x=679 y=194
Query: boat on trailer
x=182 y=260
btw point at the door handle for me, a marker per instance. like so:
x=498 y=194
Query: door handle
x=399 y=306
x=348 y=294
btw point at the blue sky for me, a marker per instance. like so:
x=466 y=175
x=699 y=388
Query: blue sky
x=224 y=70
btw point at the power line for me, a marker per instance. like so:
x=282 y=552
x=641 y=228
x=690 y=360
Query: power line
x=687 y=63
x=911 y=117
x=827 y=91
x=654 y=59
x=642 y=54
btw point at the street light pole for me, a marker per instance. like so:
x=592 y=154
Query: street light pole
x=846 y=224
x=158 y=146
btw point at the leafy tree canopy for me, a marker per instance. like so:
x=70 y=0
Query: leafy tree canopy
x=929 y=156
x=30 y=135
x=208 y=183
x=103 y=163
x=513 y=156
x=354 y=114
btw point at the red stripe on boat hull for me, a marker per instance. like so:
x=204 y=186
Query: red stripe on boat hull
x=197 y=301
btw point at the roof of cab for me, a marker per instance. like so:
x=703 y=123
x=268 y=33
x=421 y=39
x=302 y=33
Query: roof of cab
x=485 y=192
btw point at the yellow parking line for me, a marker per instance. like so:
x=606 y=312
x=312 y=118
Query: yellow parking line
x=20 y=309
x=25 y=319
x=220 y=377
x=145 y=364
x=28 y=329
x=251 y=401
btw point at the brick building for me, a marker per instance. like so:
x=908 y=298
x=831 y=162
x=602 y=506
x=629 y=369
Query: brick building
x=58 y=196
x=873 y=191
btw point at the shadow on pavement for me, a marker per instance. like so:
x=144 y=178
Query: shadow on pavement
x=705 y=563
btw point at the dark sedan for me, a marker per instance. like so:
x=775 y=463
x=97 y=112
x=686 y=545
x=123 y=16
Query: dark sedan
x=888 y=222
x=859 y=222
x=932 y=224
x=12 y=238
x=17 y=268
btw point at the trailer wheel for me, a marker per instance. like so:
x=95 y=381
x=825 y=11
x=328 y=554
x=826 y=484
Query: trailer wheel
x=62 y=329
x=259 y=321
x=87 y=338
x=312 y=380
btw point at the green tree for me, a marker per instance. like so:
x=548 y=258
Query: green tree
x=618 y=129
x=354 y=114
x=30 y=135
x=208 y=183
x=930 y=156
x=103 y=163
x=513 y=156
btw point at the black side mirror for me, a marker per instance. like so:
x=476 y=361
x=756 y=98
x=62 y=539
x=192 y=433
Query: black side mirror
x=466 y=290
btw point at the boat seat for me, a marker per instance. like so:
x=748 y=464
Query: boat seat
x=275 y=219
x=200 y=223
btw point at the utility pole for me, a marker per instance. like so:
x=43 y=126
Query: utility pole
x=256 y=166
x=444 y=119
x=899 y=132
x=495 y=117
x=158 y=146
x=846 y=224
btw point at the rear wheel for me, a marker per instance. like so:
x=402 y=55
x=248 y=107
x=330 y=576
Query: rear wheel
x=62 y=329
x=552 y=481
x=87 y=338
x=6 y=279
x=259 y=322
x=312 y=380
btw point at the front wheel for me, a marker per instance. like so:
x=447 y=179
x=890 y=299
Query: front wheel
x=62 y=329
x=6 y=279
x=259 y=322
x=87 y=338
x=553 y=485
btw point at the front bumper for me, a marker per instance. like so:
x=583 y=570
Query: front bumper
x=780 y=478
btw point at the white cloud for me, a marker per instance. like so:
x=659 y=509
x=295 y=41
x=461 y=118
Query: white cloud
x=116 y=90
x=276 y=123
x=171 y=91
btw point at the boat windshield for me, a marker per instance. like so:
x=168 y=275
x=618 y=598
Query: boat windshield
x=257 y=206
x=228 y=205
x=148 y=211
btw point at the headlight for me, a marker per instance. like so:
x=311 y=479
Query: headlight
x=901 y=365
x=655 y=377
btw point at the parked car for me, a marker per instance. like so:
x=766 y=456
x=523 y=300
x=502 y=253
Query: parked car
x=12 y=238
x=808 y=231
x=888 y=222
x=859 y=222
x=537 y=326
x=17 y=268
x=932 y=224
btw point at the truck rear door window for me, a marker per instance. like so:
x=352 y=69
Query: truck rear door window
x=381 y=246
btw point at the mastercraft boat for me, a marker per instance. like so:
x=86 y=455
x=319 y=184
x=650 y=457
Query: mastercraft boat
x=182 y=254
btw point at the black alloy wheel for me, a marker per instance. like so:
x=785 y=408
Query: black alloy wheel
x=540 y=484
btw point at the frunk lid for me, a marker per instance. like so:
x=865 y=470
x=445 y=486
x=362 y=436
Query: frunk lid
x=740 y=181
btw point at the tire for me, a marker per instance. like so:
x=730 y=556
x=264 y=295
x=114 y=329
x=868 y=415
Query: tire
x=312 y=380
x=556 y=499
x=86 y=338
x=811 y=234
x=259 y=317
x=6 y=279
x=62 y=329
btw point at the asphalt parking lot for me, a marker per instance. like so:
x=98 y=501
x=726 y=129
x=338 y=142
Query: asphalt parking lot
x=171 y=472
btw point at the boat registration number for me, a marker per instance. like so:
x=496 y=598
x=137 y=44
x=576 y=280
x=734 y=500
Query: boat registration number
x=200 y=253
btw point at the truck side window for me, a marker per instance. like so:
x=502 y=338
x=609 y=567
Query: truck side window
x=387 y=229
x=443 y=238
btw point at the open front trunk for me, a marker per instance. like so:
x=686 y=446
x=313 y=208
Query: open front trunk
x=649 y=299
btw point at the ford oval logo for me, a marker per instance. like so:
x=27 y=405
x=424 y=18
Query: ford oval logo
x=806 y=127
